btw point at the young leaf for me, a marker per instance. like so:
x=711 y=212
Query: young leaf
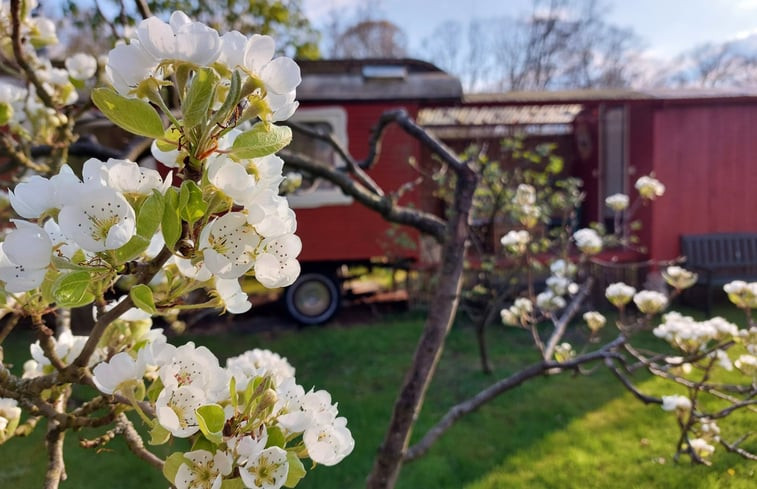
x=296 y=470
x=262 y=140
x=150 y=214
x=72 y=290
x=191 y=205
x=172 y=464
x=142 y=297
x=235 y=483
x=159 y=435
x=171 y=223
x=211 y=419
x=199 y=96
x=131 y=114
x=132 y=249
x=276 y=438
x=231 y=100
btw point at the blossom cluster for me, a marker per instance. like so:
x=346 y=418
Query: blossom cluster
x=21 y=107
x=679 y=278
x=649 y=188
x=160 y=48
x=588 y=241
x=257 y=422
x=690 y=336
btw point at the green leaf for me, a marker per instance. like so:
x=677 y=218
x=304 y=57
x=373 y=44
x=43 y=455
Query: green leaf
x=142 y=297
x=202 y=443
x=211 y=419
x=132 y=249
x=72 y=290
x=159 y=435
x=154 y=390
x=233 y=393
x=276 y=438
x=235 y=483
x=262 y=140
x=150 y=215
x=199 y=97
x=231 y=100
x=131 y=114
x=191 y=205
x=296 y=470
x=171 y=223
x=66 y=264
x=46 y=289
x=172 y=464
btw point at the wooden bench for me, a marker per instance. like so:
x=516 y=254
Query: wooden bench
x=720 y=258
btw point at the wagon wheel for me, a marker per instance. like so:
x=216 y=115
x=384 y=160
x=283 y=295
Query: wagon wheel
x=313 y=299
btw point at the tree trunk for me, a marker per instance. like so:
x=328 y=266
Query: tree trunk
x=443 y=307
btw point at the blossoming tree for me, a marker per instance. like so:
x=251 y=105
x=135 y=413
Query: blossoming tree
x=119 y=227
x=547 y=314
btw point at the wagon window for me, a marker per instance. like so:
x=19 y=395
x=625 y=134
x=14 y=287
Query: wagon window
x=316 y=192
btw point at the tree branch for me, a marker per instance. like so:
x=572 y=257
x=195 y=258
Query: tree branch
x=18 y=53
x=566 y=317
x=486 y=395
x=442 y=311
x=423 y=221
x=135 y=443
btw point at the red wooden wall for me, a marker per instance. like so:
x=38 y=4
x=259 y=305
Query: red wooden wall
x=353 y=232
x=706 y=155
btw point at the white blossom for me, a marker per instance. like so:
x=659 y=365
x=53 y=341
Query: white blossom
x=277 y=265
x=588 y=241
x=179 y=39
x=266 y=470
x=516 y=241
x=594 y=320
x=679 y=278
x=205 y=471
x=619 y=294
x=228 y=245
x=234 y=299
x=650 y=301
x=617 y=202
x=701 y=447
x=81 y=66
x=99 y=219
x=649 y=187
x=675 y=403
x=111 y=375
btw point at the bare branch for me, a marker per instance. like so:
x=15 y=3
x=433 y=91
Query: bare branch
x=486 y=395
x=567 y=317
x=391 y=454
x=18 y=53
x=734 y=447
x=352 y=165
x=384 y=205
x=144 y=9
x=135 y=443
x=629 y=385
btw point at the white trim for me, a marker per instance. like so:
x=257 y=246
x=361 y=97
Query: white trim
x=337 y=118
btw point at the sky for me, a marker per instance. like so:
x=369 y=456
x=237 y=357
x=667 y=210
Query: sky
x=667 y=27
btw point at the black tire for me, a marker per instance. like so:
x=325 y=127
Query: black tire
x=313 y=299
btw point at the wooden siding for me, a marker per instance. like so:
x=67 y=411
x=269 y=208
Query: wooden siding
x=707 y=158
x=353 y=232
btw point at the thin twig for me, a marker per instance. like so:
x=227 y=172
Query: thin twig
x=486 y=395
x=135 y=442
x=21 y=60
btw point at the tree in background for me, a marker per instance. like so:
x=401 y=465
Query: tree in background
x=283 y=19
x=363 y=34
x=560 y=44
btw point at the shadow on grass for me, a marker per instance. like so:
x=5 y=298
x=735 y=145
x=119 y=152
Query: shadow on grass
x=362 y=366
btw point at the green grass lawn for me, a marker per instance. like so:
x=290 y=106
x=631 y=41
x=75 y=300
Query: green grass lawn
x=562 y=432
